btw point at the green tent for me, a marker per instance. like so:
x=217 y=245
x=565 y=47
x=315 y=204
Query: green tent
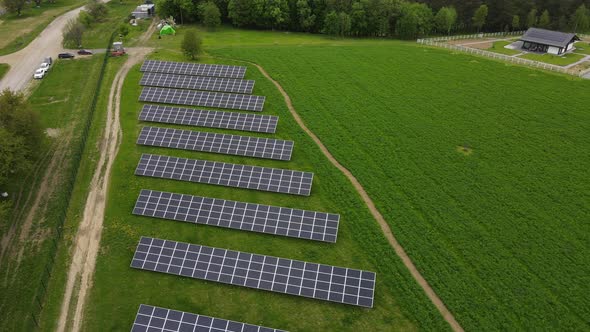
x=167 y=30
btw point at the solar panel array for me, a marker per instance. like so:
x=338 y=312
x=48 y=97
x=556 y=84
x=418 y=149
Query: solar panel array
x=199 y=69
x=211 y=119
x=197 y=82
x=225 y=174
x=248 y=146
x=202 y=98
x=318 y=281
x=253 y=217
x=152 y=319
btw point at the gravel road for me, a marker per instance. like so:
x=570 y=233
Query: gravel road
x=24 y=62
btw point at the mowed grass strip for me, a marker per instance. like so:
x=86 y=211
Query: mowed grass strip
x=477 y=166
x=118 y=289
x=559 y=60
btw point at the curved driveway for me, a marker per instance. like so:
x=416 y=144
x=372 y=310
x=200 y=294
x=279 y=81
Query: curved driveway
x=24 y=62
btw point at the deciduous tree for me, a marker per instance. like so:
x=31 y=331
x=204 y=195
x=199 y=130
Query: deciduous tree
x=445 y=19
x=515 y=22
x=73 y=34
x=581 y=19
x=480 y=16
x=210 y=14
x=14 y=6
x=545 y=19
x=305 y=16
x=531 y=18
x=191 y=44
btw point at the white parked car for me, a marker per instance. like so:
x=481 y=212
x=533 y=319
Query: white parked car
x=45 y=66
x=39 y=73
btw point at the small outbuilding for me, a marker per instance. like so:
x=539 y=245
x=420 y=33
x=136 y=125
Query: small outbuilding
x=144 y=11
x=547 y=41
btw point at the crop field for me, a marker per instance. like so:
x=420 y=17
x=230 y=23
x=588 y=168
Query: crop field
x=479 y=167
x=118 y=289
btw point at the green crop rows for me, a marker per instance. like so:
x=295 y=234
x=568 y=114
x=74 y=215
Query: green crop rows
x=480 y=168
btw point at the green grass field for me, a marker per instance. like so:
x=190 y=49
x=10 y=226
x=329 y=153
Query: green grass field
x=562 y=60
x=478 y=166
x=583 y=48
x=62 y=99
x=498 y=230
x=401 y=305
x=498 y=47
x=3 y=69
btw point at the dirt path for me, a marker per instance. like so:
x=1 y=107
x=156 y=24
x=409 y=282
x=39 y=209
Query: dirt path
x=399 y=250
x=87 y=242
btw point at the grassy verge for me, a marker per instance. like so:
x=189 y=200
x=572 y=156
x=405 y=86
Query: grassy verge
x=497 y=228
x=4 y=68
x=118 y=289
x=561 y=60
x=18 y=31
x=63 y=107
x=55 y=294
x=498 y=47
x=583 y=48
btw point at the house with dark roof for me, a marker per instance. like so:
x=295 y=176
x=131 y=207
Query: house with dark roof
x=547 y=41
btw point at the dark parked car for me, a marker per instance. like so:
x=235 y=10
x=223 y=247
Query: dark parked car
x=84 y=52
x=65 y=55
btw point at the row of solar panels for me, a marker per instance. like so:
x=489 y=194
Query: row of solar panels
x=166 y=82
x=281 y=275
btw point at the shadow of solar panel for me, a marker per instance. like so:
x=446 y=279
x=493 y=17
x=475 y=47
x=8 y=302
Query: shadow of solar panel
x=281 y=275
x=198 y=69
x=202 y=98
x=310 y=225
x=197 y=82
x=225 y=174
x=151 y=319
x=247 y=146
x=211 y=119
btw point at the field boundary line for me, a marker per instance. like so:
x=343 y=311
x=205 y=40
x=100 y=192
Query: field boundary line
x=399 y=250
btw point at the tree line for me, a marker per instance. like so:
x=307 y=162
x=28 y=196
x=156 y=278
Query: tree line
x=21 y=140
x=383 y=18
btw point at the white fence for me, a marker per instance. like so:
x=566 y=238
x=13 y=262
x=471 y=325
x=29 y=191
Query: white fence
x=475 y=36
x=439 y=42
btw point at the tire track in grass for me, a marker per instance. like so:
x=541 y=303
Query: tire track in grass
x=399 y=250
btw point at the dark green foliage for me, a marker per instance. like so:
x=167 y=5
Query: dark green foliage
x=531 y=18
x=97 y=10
x=14 y=6
x=73 y=34
x=21 y=136
x=381 y=18
x=581 y=19
x=545 y=19
x=210 y=15
x=191 y=44
x=480 y=16
x=415 y=21
x=123 y=29
x=445 y=19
